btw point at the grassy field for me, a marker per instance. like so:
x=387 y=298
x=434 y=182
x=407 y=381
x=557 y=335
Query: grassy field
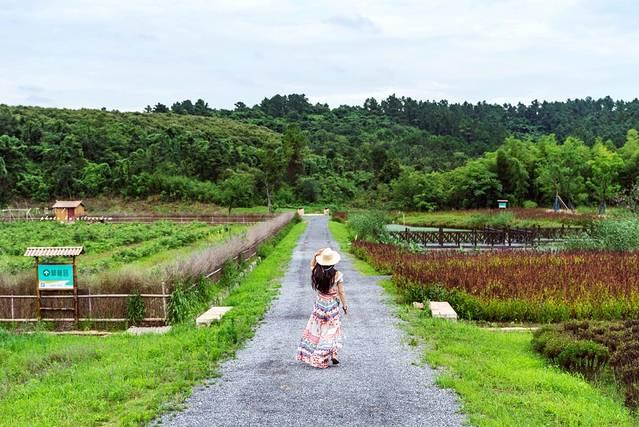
x=502 y=382
x=109 y=247
x=128 y=380
x=500 y=379
x=515 y=217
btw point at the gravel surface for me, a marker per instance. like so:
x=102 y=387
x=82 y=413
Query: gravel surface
x=378 y=382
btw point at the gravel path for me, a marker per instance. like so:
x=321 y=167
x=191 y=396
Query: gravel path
x=377 y=382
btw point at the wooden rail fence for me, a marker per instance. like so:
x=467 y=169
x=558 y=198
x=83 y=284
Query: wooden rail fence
x=487 y=237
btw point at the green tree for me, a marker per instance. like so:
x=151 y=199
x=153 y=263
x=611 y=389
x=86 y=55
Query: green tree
x=562 y=169
x=95 y=178
x=294 y=146
x=474 y=185
x=237 y=190
x=605 y=166
x=273 y=162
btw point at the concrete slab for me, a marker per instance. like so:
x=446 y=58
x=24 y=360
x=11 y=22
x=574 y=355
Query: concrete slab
x=442 y=310
x=211 y=315
x=135 y=330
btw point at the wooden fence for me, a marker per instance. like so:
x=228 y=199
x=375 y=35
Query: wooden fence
x=101 y=307
x=147 y=219
x=487 y=237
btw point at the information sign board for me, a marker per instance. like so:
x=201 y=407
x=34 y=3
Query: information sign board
x=55 y=276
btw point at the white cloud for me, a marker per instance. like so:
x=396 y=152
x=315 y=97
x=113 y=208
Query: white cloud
x=126 y=54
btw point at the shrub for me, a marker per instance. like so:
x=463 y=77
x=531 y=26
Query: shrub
x=368 y=226
x=588 y=347
x=135 y=308
x=613 y=235
x=529 y=204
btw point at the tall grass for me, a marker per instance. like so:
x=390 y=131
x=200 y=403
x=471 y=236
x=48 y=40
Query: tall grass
x=613 y=235
x=208 y=260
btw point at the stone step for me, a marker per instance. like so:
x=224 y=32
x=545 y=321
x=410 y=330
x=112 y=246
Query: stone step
x=442 y=310
x=135 y=330
x=211 y=315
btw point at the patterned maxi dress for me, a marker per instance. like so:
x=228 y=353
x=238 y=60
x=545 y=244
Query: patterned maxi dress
x=322 y=338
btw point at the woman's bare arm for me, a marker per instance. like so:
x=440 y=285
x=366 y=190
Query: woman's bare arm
x=341 y=293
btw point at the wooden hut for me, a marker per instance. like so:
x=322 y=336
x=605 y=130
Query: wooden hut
x=68 y=210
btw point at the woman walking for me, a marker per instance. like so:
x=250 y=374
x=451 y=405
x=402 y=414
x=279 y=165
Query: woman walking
x=322 y=338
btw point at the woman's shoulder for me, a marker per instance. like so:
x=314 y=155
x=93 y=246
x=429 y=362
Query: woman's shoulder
x=339 y=277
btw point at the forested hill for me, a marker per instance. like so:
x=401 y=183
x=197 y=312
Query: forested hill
x=47 y=153
x=397 y=152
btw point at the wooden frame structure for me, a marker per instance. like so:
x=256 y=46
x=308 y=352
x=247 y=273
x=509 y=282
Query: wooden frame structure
x=52 y=252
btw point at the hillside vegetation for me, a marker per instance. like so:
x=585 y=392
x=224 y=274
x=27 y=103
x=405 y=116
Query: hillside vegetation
x=397 y=152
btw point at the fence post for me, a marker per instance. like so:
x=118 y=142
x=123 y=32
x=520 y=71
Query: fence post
x=164 y=301
x=440 y=237
x=12 y=309
x=90 y=305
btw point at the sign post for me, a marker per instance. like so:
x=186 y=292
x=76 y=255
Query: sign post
x=56 y=277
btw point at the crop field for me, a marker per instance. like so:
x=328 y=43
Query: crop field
x=516 y=285
x=512 y=217
x=109 y=247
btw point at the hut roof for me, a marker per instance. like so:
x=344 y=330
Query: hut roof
x=67 y=203
x=55 y=251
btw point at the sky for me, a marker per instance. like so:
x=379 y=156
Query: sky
x=125 y=54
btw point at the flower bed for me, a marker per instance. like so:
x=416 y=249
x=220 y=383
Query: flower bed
x=516 y=285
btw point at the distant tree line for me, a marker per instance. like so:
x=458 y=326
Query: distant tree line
x=285 y=150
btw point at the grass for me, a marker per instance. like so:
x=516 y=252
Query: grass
x=502 y=382
x=516 y=217
x=340 y=233
x=128 y=380
x=499 y=378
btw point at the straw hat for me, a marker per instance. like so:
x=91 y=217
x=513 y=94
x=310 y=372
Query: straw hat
x=328 y=257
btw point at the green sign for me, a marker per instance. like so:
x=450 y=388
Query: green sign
x=55 y=276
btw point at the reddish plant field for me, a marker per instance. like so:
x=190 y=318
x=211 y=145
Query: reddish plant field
x=517 y=285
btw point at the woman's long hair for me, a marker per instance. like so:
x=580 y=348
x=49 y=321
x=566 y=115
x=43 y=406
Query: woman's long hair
x=322 y=277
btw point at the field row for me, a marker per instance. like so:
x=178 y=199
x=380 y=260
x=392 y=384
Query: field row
x=516 y=285
x=109 y=247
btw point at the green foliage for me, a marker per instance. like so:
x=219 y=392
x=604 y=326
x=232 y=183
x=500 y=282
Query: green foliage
x=399 y=152
x=237 y=190
x=575 y=355
x=369 y=225
x=612 y=235
x=135 y=308
x=230 y=273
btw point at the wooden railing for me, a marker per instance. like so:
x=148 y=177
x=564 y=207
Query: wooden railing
x=504 y=237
